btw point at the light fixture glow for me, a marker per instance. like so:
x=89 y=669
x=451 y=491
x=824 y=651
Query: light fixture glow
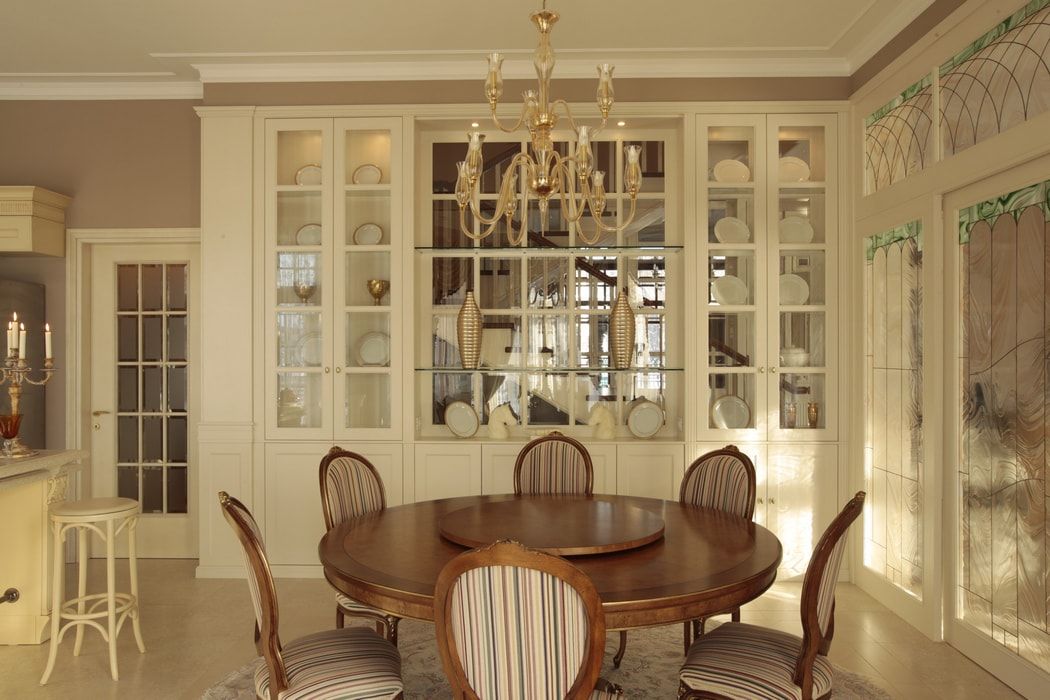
x=474 y=125
x=621 y=123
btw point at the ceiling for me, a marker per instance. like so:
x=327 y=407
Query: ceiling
x=184 y=42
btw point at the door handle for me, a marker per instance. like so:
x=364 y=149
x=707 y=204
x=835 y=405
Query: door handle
x=100 y=413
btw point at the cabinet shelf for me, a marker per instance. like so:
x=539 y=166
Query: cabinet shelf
x=502 y=251
x=548 y=370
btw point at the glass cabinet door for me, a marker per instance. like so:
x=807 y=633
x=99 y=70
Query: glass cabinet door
x=733 y=280
x=298 y=224
x=802 y=212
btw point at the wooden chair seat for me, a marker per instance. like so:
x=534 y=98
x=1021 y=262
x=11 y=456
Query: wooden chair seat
x=743 y=661
x=353 y=662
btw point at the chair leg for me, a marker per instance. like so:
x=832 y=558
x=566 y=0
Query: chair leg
x=56 y=601
x=687 y=636
x=82 y=540
x=111 y=599
x=621 y=650
x=133 y=570
x=736 y=615
x=340 y=618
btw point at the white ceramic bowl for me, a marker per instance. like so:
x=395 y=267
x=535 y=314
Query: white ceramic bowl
x=794 y=357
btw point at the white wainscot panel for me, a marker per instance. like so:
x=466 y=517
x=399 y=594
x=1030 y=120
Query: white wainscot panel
x=293 y=524
x=801 y=487
x=652 y=470
x=447 y=470
x=603 y=456
x=225 y=456
x=497 y=467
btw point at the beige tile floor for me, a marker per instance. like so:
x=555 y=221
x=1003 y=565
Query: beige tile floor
x=197 y=631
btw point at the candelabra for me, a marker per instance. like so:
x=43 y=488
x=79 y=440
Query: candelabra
x=15 y=373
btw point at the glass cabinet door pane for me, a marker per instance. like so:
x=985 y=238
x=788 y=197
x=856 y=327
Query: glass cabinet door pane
x=650 y=340
x=367 y=218
x=298 y=218
x=367 y=339
x=596 y=282
x=594 y=390
x=445 y=225
x=802 y=338
x=731 y=215
x=732 y=403
x=592 y=340
x=444 y=341
x=548 y=283
x=367 y=401
x=548 y=399
x=802 y=402
x=499 y=389
x=548 y=341
x=447 y=388
x=802 y=216
x=802 y=277
x=368 y=159
x=731 y=276
x=501 y=341
x=731 y=339
x=648 y=281
x=802 y=154
x=368 y=279
x=500 y=283
x=648 y=226
x=299 y=339
x=299 y=279
x=299 y=400
x=726 y=144
x=296 y=152
x=450 y=279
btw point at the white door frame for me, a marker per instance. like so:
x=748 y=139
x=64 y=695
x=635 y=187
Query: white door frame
x=79 y=244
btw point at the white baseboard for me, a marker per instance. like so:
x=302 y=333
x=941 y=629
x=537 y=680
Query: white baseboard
x=220 y=572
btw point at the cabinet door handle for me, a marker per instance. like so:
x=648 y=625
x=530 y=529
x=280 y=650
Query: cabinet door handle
x=761 y=370
x=327 y=370
x=338 y=370
x=772 y=501
x=100 y=413
x=773 y=370
x=761 y=501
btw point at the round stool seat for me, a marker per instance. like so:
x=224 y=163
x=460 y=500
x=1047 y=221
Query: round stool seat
x=91 y=509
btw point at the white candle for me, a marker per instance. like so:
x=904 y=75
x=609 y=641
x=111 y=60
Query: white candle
x=14 y=334
x=47 y=341
x=22 y=341
x=10 y=339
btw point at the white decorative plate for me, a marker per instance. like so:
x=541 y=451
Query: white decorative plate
x=310 y=234
x=308 y=175
x=373 y=349
x=730 y=229
x=368 y=174
x=645 y=418
x=310 y=349
x=795 y=229
x=794 y=291
x=729 y=290
x=731 y=412
x=731 y=171
x=368 y=234
x=793 y=169
x=461 y=419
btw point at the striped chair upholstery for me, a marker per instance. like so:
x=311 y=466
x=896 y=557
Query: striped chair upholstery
x=723 y=479
x=746 y=661
x=351 y=487
x=341 y=663
x=511 y=627
x=554 y=464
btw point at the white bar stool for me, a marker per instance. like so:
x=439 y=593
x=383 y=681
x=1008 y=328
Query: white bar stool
x=106 y=517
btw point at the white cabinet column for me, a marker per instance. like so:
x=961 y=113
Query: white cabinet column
x=227 y=378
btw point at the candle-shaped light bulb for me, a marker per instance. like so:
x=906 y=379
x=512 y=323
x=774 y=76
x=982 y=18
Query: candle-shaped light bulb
x=494 y=81
x=583 y=152
x=22 y=341
x=462 y=184
x=606 y=96
x=475 y=139
x=47 y=341
x=632 y=171
x=597 y=192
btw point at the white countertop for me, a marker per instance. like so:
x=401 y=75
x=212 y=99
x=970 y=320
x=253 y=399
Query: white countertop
x=39 y=466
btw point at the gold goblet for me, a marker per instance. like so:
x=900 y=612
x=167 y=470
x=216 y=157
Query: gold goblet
x=378 y=289
x=304 y=291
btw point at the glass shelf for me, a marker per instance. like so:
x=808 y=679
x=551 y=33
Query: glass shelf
x=554 y=250
x=545 y=370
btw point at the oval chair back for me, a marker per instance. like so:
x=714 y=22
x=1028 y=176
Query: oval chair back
x=723 y=479
x=554 y=464
x=514 y=623
x=818 y=593
x=260 y=582
x=350 y=486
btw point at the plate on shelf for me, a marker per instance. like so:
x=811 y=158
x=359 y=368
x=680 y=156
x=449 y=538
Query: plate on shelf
x=729 y=290
x=645 y=418
x=461 y=419
x=368 y=234
x=310 y=349
x=796 y=229
x=308 y=175
x=731 y=171
x=310 y=234
x=793 y=169
x=730 y=413
x=730 y=229
x=794 y=291
x=373 y=349
x=367 y=174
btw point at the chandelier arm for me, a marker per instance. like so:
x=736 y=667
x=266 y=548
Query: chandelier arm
x=517 y=125
x=572 y=210
x=616 y=229
x=505 y=195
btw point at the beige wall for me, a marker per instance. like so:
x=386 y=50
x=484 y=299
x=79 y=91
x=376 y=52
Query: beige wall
x=125 y=163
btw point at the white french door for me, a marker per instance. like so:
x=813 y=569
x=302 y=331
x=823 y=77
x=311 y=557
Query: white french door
x=144 y=353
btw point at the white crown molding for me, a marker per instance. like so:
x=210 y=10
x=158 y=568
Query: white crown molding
x=386 y=70
x=872 y=41
x=100 y=90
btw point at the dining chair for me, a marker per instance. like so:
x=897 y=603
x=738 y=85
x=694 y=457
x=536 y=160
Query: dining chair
x=739 y=660
x=516 y=624
x=350 y=487
x=554 y=464
x=722 y=479
x=352 y=662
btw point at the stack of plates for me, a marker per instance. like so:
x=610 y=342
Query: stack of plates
x=730 y=229
x=731 y=171
x=729 y=290
x=793 y=169
x=794 y=291
x=795 y=229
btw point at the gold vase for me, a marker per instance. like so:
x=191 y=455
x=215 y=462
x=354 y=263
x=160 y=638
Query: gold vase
x=813 y=414
x=621 y=332
x=468 y=331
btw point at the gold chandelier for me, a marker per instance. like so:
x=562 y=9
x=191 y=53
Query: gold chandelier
x=547 y=173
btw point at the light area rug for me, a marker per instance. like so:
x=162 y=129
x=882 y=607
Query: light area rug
x=649 y=670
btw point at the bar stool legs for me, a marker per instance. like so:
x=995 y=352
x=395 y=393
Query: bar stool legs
x=57 y=580
x=133 y=570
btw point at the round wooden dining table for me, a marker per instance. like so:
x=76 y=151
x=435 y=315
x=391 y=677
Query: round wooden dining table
x=706 y=561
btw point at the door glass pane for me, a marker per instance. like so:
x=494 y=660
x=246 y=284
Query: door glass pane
x=726 y=144
x=127 y=389
x=802 y=401
x=731 y=339
x=128 y=439
x=177 y=489
x=447 y=388
x=801 y=218
x=177 y=439
x=177 y=389
x=548 y=341
x=128 y=482
x=299 y=219
x=731 y=277
x=152 y=287
x=152 y=389
x=299 y=339
x=367 y=218
x=731 y=215
x=501 y=341
x=367 y=401
x=368 y=159
x=802 y=338
x=500 y=389
x=802 y=154
x=648 y=281
x=127 y=287
x=299 y=279
x=177 y=281
x=153 y=489
x=177 y=338
x=152 y=439
x=299 y=400
x=367 y=339
x=732 y=403
x=127 y=338
x=368 y=279
x=152 y=338
x=801 y=277
x=295 y=150
x=444 y=342
x=653 y=163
